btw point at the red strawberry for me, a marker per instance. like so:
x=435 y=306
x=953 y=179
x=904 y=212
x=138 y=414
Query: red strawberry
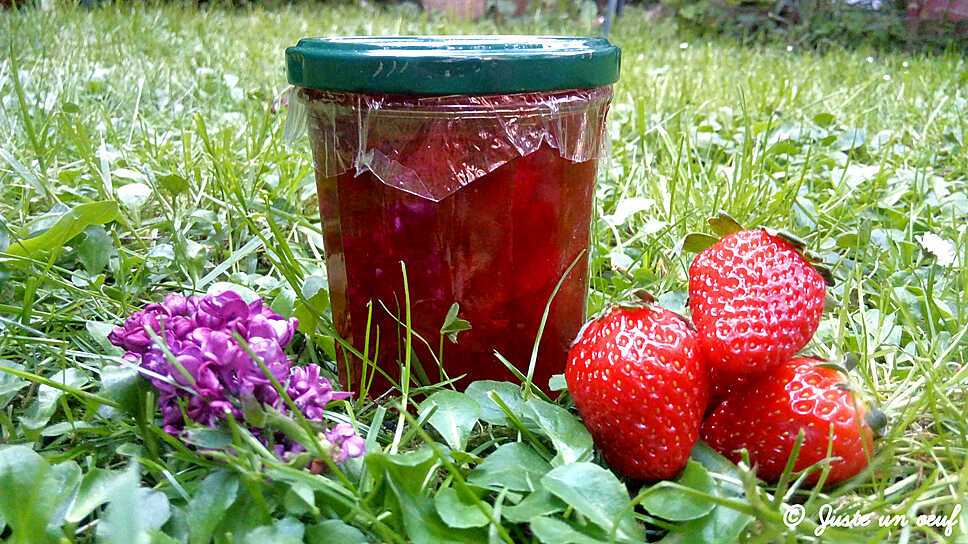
x=641 y=388
x=722 y=384
x=755 y=301
x=765 y=416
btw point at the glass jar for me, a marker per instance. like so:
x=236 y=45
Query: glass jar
x=467 y=164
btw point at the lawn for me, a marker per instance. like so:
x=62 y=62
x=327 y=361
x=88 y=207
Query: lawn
x=175 y=114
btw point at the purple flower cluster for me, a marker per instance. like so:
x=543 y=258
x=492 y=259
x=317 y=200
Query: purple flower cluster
x=202 y=373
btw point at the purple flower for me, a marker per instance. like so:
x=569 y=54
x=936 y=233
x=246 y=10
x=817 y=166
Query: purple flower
x=312 y=392
x=133 y=335
x=171 y=415
x=178 y=305
x=218 y=346
x=276 y=328
x=346 y=443
x=221 y=311
x=180 y=325
x=284 y=448
x=208 y=411
x=202 y=371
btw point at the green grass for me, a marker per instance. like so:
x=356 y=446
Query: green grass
x=859 y=152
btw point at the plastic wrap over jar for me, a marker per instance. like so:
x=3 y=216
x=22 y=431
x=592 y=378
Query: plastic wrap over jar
x=433 y=146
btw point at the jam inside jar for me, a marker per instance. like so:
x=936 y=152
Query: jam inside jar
x=483 y=200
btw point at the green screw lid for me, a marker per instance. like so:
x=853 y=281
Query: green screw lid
x=445 y=65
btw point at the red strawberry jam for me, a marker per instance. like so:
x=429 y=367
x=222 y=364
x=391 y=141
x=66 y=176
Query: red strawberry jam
x=476 y=221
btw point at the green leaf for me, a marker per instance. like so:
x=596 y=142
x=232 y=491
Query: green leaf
x=454 y=417
x=23 y=503
x=784 y=147
x=410 y=468
x=717 y=464
x=454 y=325
x=95 y=249
x=557 y=382
x=314 y=291
x=23 y=172
x=280 y=422
x=121 y=384
x=850 y=139
x=824 y=119
x=457 y=511
x=284 y=303
x=242 y=518
x=539 y=503
x=424 y=525
x=99 y=331
x=284 y=531
x=490 y=411
x=66 y=427
x=313 y=285
x=209 y=439
x=10 y=384
x=674 y=301
x=789 y=237
x=723 y=224
x=597 y=494
x=173 y=183
x=254 y=412
x=300 y=499
x=515 y=466
x=570 y=438
x=69 y=225
x=668 y=502
x=405 y=476
x=43 y=408
x=334 y=531
x=555 y=531
x=133 y=512
x=722 y=525
x=97 y=488
x=154 y=508
x=158 y=537
x=134 y=196
x=696 y=242
x=60 y=486
x=215 y=495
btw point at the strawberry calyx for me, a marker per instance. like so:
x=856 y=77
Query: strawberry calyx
x=648 y=300
x=876 y=420
x=644 y=296
x=723 y=225
x=643 y=299
x=850 y=360
x=789 y=237
x=844 y=366
x=696 y=242
x=815 y=260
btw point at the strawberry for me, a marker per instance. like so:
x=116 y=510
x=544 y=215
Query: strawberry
x=755 y=301
x=765 y=416
x=722 y=384
x=641 y=388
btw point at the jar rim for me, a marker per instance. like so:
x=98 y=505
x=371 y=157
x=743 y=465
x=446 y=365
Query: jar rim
x=452 y=65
